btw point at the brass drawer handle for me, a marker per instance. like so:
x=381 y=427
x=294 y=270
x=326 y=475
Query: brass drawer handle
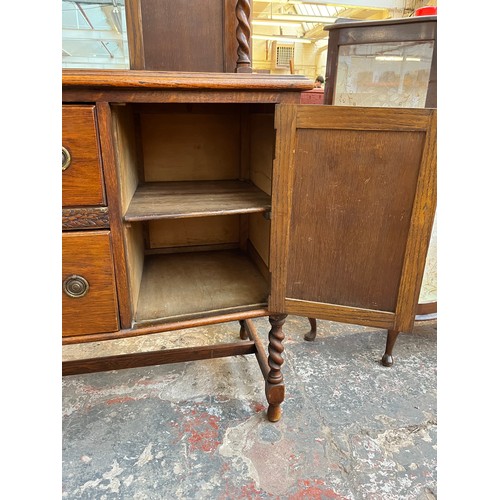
x=76 y=286
x=66 y=158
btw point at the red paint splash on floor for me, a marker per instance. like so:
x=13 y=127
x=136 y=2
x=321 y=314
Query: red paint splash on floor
x=145 y=382
x=119 y=400
x=314 y=489
x=258 y=407
x=245 y=492
x=202 y=430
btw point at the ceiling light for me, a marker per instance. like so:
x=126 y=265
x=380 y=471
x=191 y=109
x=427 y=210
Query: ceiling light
x=389 y=58
x=281 y=38
x=306 y=19
x=270 y=22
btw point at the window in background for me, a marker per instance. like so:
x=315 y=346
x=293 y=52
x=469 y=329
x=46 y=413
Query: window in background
x=94 y=34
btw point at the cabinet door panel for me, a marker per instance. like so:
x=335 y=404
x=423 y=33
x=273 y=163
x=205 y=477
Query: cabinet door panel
x=353 y=202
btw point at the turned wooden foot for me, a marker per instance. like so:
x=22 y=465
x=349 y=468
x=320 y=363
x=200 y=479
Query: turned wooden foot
x=275 y=388
x=273 y=413
x=243 y=331
x=387 y=359
x=311 y=334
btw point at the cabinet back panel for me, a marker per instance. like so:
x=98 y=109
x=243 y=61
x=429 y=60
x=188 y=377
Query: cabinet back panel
x=181 y=147
x=194 y=232
x=350 y=217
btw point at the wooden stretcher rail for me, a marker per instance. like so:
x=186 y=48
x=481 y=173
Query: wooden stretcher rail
x=134 y=360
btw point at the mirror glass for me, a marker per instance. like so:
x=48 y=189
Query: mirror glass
x=384 y=74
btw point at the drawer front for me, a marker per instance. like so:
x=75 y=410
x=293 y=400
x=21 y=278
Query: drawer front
x=89 y=298
x=82 y=178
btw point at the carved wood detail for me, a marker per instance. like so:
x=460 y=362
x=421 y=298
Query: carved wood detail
x=85 y=218
x=275 y=388
x=243 y=63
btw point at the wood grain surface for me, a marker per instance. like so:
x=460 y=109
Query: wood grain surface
x=174 y=200
x=137 y=79
x=191 y=34
x=182 y=286
x=191 y=146
x=88 y=254
x=82 y=181
x=197 y=231
x=355 y=197
x=351 y=207
x=139 y=330
x=109 y=157
x=122 y=361
x=424 y=209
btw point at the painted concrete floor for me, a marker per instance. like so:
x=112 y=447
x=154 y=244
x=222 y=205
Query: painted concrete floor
x=351 y=428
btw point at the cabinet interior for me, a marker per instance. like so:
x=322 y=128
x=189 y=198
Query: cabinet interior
x=195 y=193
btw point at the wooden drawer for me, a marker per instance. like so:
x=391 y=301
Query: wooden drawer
x=82 y=180
x=87 y=259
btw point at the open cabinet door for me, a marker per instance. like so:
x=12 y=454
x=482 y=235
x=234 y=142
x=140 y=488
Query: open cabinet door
x=354 y=196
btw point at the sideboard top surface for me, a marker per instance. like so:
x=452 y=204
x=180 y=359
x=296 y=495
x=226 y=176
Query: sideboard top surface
x=173 y=80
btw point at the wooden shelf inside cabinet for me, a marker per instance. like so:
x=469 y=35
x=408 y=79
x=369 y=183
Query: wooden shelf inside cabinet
x=200 y=284
x=175 y=200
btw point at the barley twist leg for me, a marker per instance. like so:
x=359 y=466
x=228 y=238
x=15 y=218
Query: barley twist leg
x=275 y=388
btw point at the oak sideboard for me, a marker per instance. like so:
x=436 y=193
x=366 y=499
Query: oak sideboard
x=192 y=199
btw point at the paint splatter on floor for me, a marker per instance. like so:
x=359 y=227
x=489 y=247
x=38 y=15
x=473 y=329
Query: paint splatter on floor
x=351 y=429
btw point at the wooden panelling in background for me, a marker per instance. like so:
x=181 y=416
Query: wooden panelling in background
x=176 y=35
